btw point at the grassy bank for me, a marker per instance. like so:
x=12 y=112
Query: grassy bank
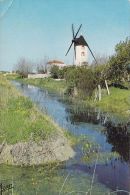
x=48 y=83
x=58 y=86
x=117 y=102
x=19 y=118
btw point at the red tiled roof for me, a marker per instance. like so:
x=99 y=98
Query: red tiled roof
x=55 y=62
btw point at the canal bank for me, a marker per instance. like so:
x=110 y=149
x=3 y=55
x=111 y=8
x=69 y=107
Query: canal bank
x=28 y=136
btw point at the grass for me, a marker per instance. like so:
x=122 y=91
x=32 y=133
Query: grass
x=11 y=76
x=47 y=83
x=117 y=102
x=20 y=120
x=58 y=86
x=43 y=180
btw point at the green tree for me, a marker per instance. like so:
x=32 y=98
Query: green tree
x=54 y=72
x=100 y=74
x=118 y=62
x=81 y=78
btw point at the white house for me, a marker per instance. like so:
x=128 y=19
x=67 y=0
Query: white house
x=58 y=63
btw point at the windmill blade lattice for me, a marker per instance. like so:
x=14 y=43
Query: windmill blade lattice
x=77 y=32
x=74 y=39
x=92 y=53
x=73 y=30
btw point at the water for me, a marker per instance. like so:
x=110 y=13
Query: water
x=112 y=173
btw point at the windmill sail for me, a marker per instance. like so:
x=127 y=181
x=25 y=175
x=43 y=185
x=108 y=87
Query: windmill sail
x=92 y=54
x=74 y=38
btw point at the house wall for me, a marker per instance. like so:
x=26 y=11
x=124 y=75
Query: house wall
x=37 y=76
x=81 y=55
x=49 y=66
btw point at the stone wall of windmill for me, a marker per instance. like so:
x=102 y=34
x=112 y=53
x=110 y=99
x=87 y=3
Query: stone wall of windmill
x=81 y=55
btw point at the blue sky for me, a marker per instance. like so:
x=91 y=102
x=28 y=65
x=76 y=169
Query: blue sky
x=38 y=28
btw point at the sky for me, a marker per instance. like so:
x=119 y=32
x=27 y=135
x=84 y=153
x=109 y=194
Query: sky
x=37 y=28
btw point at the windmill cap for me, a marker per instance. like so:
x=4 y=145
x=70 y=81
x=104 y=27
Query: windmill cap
x=80 y=41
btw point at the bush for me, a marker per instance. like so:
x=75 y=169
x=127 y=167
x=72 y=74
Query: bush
x=81 y=78
x=55 y=72
x=58 y=73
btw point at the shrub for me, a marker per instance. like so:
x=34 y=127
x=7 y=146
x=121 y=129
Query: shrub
x=54 y=72
x=83 y=78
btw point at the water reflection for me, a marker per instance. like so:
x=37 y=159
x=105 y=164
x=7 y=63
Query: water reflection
x=86 y=115
x=119 y=136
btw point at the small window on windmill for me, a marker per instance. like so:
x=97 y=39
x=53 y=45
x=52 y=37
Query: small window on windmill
x=82 y=47
x=83 y=54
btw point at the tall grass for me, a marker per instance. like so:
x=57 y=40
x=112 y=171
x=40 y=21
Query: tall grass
x=20 y=120
x=117 y=102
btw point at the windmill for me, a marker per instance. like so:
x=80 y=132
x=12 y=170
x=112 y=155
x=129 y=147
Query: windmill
x=80 y=48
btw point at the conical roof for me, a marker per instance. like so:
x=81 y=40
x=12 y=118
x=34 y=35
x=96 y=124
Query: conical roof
x=80 y=41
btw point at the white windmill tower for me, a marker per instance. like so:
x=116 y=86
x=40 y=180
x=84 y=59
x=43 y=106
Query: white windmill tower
x=80 y=48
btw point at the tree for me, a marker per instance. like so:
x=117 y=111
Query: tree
x=118 y=62
x=41 y=67
x=23 y=67
x=86 y=81
x=82 y=78
x=100 y=74
x=54 y=72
